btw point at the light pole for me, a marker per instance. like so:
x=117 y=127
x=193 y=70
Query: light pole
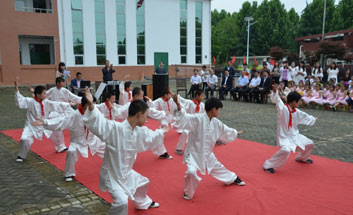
x=323 y=31
x=248 y=19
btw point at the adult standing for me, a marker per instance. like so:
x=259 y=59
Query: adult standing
x=317 y=72
x=161 y=70
x=301 y=73
x=230 y=69
x=285 y=74
x=276 y=72
x=333 y=73
x=108 y=71
x=63 y=72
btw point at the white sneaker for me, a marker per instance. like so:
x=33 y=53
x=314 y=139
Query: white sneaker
x=154 y=205
x=63 y=150
x=69 y=178
x=239 y=182
x=19 y=159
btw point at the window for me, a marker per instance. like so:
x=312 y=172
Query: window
x=121 y=30
x=140 y=31
x=183 y=31
x=34 y=6
x=39 y=53
x=100 y=31
x=77 y=31
x=198 y=33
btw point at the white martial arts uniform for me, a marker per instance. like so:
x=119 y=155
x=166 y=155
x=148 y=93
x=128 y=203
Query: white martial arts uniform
x=288 y=137
x=199 y=152
x=151 y=113
x=169 y=107
x=34 y=112
x=190 y=107
x=61 y=95
x=113 y=113
x=125 y=96
x=122 y=145
x=81 y=139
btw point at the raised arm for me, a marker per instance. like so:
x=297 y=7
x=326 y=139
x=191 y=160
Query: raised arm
x=156 y=114
x=21 y=101
x=60 y=107
x=276 y=99
x=95 y=121
x=72 y=97
x=60 y=123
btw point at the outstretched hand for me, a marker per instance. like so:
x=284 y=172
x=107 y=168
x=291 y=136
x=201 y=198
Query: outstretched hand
x=39 y=122
x=165 y=129
x=31 y=89
x=240 y=132
x=16 y=86
x=89 y=98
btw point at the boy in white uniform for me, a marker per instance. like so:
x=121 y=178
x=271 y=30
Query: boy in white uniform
x=61 y=94
x=37 y=107
x=123 y=141
x=205 y=129
x=109 y=108
x=288 y=136
x=138 y=94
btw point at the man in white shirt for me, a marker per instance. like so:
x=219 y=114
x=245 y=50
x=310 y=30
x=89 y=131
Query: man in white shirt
x=268 y=63
x=204 y=76
x=212 y=81
x=241 y=87
x=195 y=83
x=253 y=87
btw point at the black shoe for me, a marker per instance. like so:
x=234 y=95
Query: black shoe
x=63 y=150
x=154 y=205
x=19 y=159
x=270 y=170
x=239 y=182
x=165 y=156
x=186 y=197
x=307 y=161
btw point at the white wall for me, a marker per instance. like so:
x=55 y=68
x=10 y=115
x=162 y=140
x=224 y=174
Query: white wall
x=162 y=31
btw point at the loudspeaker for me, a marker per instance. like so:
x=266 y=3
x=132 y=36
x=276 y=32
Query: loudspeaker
x=160 y=84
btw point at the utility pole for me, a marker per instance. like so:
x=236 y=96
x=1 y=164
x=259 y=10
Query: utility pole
x=323 y=32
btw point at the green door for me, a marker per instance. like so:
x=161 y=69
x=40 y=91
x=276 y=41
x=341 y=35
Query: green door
x=161 y=56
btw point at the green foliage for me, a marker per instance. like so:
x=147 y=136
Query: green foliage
x=275 y=26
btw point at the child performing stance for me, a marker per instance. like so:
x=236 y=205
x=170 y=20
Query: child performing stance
x=37 y=108
x=123 y=142
x=288 y=136
x=81 y=138
x=204 y=129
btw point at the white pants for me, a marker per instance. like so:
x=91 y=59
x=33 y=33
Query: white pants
x=282 y=155
x=71 y=159
x=184 y=137
x=219 y=172
x=57 y=138
x=120 y=199
x=26 y=142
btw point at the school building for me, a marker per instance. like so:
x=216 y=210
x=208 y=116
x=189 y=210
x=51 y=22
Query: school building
x=135 y=35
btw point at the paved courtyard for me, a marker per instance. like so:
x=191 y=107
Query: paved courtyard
x=37 y=187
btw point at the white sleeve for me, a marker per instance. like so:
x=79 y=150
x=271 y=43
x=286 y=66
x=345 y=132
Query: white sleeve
x=227 y=134
x=277 y=100
x=184 y=120
x=21 y=101
x=60 y=123
x=156 y=114
x=99 y=125
x=149 y=140
x=60 y=107
x=305 y=119
x=121 y=88
x=72 y=97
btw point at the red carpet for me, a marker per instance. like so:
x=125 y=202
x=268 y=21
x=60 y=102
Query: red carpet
x=326 y=187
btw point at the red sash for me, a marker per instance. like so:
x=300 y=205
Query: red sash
x=128 y=91
x=80 y=108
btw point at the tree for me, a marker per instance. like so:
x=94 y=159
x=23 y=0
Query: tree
x=311 y=20
x=343 y=16
x=277 y=53
x=333 y=49
x=293 y=57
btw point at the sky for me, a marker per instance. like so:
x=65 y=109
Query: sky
x=235 y=5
